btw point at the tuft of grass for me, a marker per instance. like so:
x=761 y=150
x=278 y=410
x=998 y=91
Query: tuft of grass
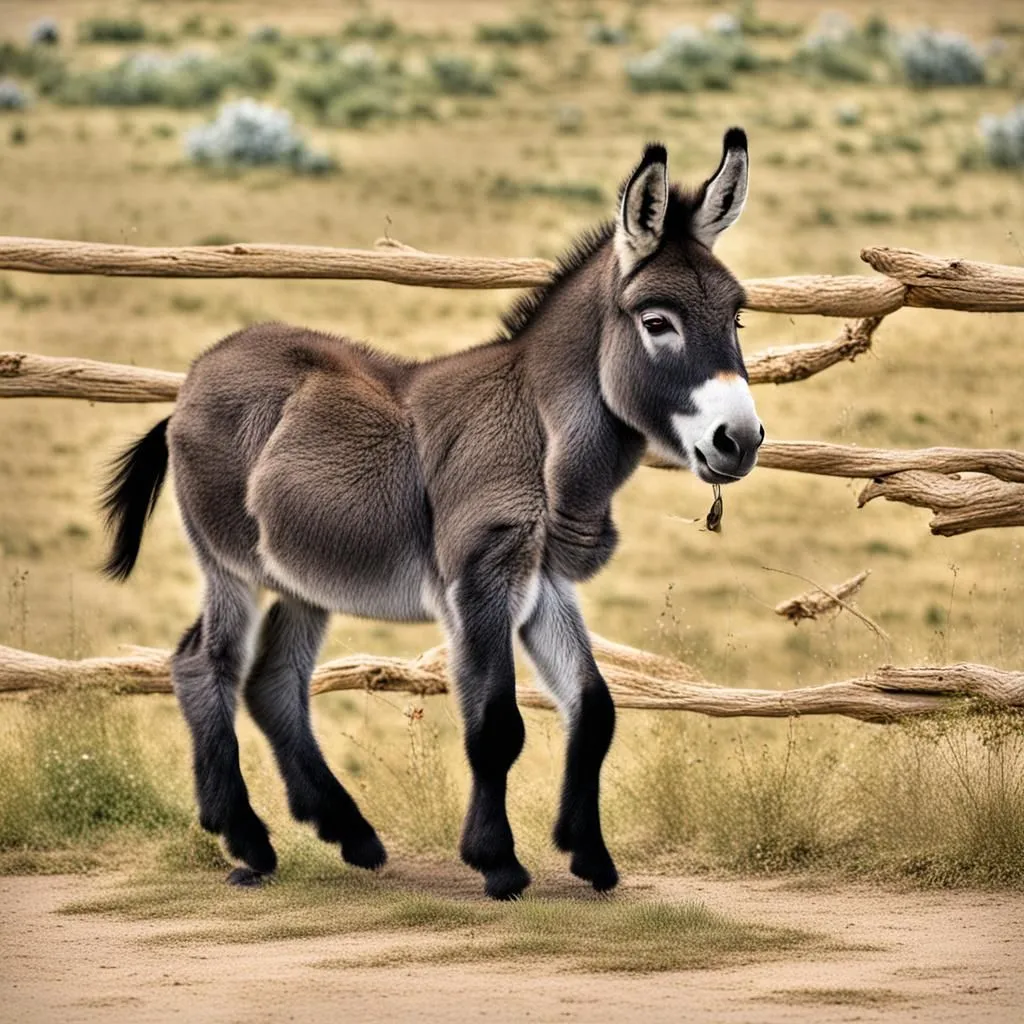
x=944 y=804
x=417 y=798
x=74 y=771
x=862 y=997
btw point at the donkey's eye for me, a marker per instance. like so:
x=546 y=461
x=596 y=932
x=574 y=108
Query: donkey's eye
x=739 y=322
x=656 y=324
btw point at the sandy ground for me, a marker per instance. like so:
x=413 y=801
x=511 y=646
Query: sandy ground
x=933 y=957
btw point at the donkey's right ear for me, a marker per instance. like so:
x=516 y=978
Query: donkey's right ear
x=644 y=202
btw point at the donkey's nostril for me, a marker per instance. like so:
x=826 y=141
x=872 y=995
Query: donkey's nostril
x=724 y=443
x=760 y=440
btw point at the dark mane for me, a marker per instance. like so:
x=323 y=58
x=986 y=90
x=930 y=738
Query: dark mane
x=523 y=309
x=678 y=220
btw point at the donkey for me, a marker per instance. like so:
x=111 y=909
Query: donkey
x=472 y=489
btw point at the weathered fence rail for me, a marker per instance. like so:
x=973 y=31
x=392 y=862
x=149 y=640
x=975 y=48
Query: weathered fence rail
x=910 y=278
x=967 y=489
x=637 y=679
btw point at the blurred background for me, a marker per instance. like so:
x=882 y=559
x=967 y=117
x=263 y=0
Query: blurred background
x=463 y=126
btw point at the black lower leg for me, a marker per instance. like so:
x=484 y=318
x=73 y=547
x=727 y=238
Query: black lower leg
x=578 y=829
x=206 y=669
x=277 y=695
x=493 y=744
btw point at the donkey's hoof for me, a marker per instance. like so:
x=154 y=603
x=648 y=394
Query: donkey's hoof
x=247 y=878
x=597 y=868
x=365 y=852
x=506 y=883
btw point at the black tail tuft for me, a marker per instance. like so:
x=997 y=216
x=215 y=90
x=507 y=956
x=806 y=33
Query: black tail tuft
x=130 y=496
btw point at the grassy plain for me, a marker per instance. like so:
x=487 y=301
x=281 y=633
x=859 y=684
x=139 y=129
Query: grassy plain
x=518 y=173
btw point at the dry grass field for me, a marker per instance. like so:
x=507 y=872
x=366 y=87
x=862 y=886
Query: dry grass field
x=837 y=164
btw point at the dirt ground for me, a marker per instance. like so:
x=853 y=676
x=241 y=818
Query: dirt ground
x=915 y=957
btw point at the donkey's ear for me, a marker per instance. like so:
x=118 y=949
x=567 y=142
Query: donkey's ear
x=642 y=210
x=725 y=192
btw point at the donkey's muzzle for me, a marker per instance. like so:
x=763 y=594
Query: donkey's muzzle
x=728 y=450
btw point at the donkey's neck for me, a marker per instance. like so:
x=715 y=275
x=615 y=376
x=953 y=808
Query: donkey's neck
x=560 y=349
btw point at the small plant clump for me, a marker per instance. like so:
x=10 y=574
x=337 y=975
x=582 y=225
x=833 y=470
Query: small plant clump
x=520 y=32
x=45 y=32
x=187 y=79
x=250 y=134
x=461 y=76
x=600 y=33
x=112 y=30
x=838 y=50
x=929 y=58
x=1003 y=138
x=12 y=96
x=688 y=59
x=268 y=35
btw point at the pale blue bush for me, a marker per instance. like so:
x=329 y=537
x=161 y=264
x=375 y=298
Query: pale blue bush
x=1003 y=137
x=688 y=59
x=45 y=32
x=931 y=58
x=250 y=134
x=12 y=96
x=835 y=49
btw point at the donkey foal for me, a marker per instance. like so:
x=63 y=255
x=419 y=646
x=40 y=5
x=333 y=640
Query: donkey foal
x=473 y=489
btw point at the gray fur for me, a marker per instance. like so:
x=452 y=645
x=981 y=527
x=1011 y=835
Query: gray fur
x=473 y=489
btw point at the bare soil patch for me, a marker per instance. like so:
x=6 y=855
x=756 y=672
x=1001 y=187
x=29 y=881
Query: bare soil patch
x=900 y=956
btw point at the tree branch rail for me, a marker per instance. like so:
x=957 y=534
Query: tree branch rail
x=908 y=278
x=637 y=679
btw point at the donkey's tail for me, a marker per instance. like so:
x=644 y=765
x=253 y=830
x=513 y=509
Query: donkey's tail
x=130 y=496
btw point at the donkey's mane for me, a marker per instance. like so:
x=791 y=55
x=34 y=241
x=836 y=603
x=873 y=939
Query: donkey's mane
x=522 y=311
x=678 y=222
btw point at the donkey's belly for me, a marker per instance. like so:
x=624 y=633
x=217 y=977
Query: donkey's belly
x=381 y=587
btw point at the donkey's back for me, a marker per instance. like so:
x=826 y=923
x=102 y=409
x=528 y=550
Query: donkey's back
x=295 y=468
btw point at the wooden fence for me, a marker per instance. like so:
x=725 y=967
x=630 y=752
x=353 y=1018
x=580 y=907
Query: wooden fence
x=967 y=489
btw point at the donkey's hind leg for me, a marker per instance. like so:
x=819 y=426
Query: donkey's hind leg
x=277 y=695
x=207 y=668
x=558 y=644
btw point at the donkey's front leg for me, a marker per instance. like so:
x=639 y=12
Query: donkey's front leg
x=480 y=635
x=558 y=644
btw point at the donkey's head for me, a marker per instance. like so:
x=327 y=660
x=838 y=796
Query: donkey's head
x=671 y=365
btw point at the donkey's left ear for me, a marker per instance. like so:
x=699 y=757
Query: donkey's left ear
x=644 y=203
x=725 y=192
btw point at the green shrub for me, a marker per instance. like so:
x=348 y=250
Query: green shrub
x=456 y=75
x=837 y=50
x=37 y=63
x=688 y=59
x=74 y=769
x=519 y=32
x=369 y=27
x=180 y=80
x=112 y=30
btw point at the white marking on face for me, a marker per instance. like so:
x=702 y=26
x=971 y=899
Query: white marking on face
x=724 y=400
